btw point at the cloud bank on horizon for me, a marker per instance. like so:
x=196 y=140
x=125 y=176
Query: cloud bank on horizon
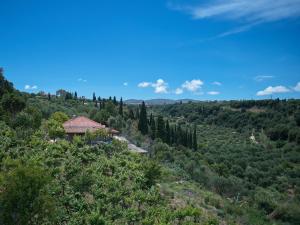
x=195 y=86
x=278 y=90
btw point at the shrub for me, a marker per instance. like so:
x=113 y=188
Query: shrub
x=25 y=197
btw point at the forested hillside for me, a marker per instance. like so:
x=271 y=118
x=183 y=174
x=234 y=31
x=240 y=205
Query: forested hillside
x=209 y=163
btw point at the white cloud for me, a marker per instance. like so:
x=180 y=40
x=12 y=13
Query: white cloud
x=178 y=91
x=297 y=87
x=245 y=10
x=273 y=90
x=81 y=80
x=248 y=13
x=263 y=78
x=217 y=83
x=28 y=87
x=125 y=83
x=192 y=85
x=160 y=86
x=144 y=84
x=213 y=93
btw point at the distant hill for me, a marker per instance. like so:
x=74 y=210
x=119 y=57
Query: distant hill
x=158 y=101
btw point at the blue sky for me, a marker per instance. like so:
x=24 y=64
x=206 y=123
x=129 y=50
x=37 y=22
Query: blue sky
x=218 y=49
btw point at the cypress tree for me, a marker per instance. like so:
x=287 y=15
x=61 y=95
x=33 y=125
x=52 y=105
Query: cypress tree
x=195 y=144
x=179 y=135
x=160 y=128
x=131 y=114
x=49 y=96
x=153 y=128
x=151 y=119
x=121 y=107
x=115 y=100
x=168 y=135
x=171 y=135
x=137 y=113
x=143 y=123
x=75 y=96
x=94 y=97
x=185 y=138
x=190 y=139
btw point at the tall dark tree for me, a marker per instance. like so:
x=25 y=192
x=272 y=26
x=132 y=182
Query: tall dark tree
x=171 y=135
x=160 y=132
x=121 y=107
x=115 y=100
x=94 y=97
x=75 y=96
x=152 y=127
x=184 y=138
x=143 y=124
x=68 y=96
x=297 y=118
x=178 y=135
x=168 y=134
x=190 y=139
x=131 y=114
x=49 y=96
x=195 y=143
x=137 y=113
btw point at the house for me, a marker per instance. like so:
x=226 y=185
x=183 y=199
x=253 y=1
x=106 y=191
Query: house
x=80 y=125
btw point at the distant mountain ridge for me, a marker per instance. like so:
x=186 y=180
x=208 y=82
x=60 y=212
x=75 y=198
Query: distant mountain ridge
x=159 y=101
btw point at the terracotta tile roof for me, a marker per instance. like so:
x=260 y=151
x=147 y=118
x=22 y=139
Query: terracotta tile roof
x=81 y=124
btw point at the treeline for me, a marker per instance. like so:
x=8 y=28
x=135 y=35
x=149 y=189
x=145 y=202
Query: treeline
x=172 y=134
x=279 y=119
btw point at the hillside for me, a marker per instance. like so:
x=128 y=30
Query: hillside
x=202 y=166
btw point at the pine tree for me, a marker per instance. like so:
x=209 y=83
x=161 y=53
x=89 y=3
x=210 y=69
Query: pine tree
x=143 y=124
x=121 y=107
x=168 y=135
x=195 y=144
x=75 y=95
x=115 y=100
x=94 y=97
x=160 y=132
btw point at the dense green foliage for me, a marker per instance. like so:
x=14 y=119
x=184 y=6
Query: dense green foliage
x=234 y=162
x=250 y=154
